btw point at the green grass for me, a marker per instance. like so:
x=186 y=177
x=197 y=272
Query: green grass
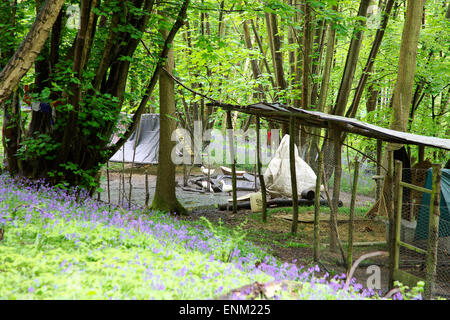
x=85 y=260
x=56 y=248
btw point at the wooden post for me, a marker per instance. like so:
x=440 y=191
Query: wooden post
x=132 y=164
x=293 y=175
x=398 y=205
x=316 y=247
x=261 y=177
x=208 y=167
x=351 y=218
x=390 y=209
x=433 y=232
x=107 y=181
x=336 y=189
x=233 y=159
x=421 y=155
x=379 y=159
x=147 y=193
x=394 y=257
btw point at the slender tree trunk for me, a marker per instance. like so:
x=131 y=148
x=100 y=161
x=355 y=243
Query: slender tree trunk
x=345 y=86
x=254 y=63
x=277 y=57
x=165 y=197
x=350 y=63
x=402 y=96
x=351 y=112
x=328 y=66
x=11 y=111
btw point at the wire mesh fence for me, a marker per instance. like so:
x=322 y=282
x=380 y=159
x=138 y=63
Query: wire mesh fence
x=414 y=229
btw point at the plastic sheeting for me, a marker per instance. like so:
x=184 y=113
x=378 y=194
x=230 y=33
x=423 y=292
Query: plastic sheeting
x=147 y=143
x=278 y=174
x=444 y=206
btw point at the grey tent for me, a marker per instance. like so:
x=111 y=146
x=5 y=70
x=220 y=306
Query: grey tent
x=147 y=143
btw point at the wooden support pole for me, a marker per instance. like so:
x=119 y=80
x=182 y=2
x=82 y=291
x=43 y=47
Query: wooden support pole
x=421 y=155
x=394 y=257
x=132 y=164
x=147 y=193
x=233 y=159
x=107 y=182
x=390 y=208
x=433 y=232
x=259 y=165
x=316 y=247
x=336 y=189
x=293 y=175
x=379 y=159
x=351 y=223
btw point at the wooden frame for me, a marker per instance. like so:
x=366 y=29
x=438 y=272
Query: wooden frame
x=433 y=232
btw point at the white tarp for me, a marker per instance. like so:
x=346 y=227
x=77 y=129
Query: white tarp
x=278 y=174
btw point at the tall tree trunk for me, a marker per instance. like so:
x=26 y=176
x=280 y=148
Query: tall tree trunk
x=277 y=58
x=260 y=95
x=24 y=57
x=305 y=101
x=351 y=112
x=402 y=96
x=328 y=65
x=165 y=197
x=345 y=87
x=350 y=63
x=11 y=110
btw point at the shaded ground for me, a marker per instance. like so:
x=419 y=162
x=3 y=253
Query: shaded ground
x=276 y=237
x=275 y=234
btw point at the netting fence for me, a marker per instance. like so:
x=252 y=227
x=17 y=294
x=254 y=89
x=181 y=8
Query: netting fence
x=415 y=229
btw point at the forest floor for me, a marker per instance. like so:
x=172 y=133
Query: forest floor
x=275 y=235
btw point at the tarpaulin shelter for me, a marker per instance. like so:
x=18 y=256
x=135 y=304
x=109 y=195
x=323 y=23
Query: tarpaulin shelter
x=444 y=206
x=278 y=174
x=146 y=140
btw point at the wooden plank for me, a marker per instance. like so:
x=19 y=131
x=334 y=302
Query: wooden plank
x=406 y=278
x=323 y=217
x=362 y=244
x=417 y=188
x=411 y=247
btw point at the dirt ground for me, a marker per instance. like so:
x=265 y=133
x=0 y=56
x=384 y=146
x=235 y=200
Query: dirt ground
x=275 y=234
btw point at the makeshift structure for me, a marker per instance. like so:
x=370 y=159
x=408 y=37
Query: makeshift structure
x=421 y=231
x=389 y=198
x=143 y=145
x=278 y=175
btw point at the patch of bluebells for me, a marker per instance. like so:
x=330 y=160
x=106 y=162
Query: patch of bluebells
x=50 y=206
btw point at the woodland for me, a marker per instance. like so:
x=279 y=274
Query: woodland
x=70 y=70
